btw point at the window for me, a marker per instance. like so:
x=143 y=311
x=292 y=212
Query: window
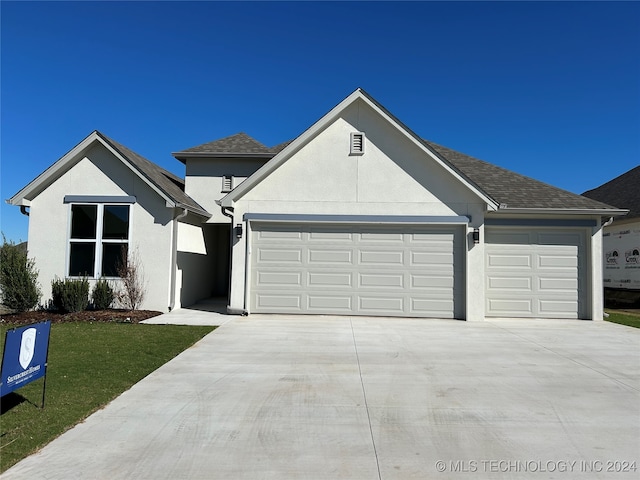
x=227 y=183
x=98 y=240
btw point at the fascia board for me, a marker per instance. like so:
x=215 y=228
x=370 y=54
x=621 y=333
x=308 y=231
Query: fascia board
x=564 y=211
x=52 y=173
x=186 y=155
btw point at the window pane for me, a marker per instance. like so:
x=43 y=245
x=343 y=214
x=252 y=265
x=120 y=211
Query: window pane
x=113 y=254
x=83 y=221
x=82 y=259
x=116 y=222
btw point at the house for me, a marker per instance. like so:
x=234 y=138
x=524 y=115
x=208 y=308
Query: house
x=356 y=216
x=621 y=239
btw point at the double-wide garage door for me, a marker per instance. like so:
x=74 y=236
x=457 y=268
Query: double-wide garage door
x=535 y=272
x=413 y=271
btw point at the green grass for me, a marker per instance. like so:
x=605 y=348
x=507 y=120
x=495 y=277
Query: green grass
x=623 y=318
x=89 y=365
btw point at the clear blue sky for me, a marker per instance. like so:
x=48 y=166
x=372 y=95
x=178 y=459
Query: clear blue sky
x=550 y=90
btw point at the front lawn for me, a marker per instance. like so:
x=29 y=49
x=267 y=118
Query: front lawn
x=90 y=364
x=623 y=318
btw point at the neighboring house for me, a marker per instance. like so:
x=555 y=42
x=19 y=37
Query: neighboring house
x=621 y=239
x=356 y=216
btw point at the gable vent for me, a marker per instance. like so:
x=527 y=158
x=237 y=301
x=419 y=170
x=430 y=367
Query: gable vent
x=357 y=143
x=227 y=183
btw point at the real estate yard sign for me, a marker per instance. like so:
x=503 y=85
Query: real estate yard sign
x=622 y=257
x=25 y=356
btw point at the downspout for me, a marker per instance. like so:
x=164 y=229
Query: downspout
x=606 y=224
x=23 y=210
x=174 y=258
x=225 y=211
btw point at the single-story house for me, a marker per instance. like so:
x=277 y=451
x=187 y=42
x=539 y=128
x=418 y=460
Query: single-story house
x=356 y=216
x=621 y=239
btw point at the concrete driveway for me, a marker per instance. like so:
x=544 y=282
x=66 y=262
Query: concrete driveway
x=313 y=397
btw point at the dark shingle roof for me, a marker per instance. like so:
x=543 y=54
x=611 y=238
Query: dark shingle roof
x=238 y=143
x=503 y=186
x=170 y=184
x=510 y=188
x=622 y=191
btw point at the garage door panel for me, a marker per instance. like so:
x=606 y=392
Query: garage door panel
x=431 y=258
x=443 y=282
x=509 y=260
x=331 y=279
x=558 y=285
x=367 y=270
x=522 y=284
x=278 y=302
x=511 y=306
x=381 y=257
x=380 y=304
x=377 y=280
x=279 y=256
x=559 y=308
x=322 y=256
x=321 y=303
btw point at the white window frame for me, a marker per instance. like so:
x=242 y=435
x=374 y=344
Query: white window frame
x=98 y=240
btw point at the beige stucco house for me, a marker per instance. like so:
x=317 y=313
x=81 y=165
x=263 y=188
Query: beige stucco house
x=356 y=216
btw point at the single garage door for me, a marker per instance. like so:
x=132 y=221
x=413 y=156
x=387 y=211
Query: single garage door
x=536 y=273
x=357 y=270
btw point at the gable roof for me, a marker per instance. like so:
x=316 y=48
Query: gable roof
x=500 y=188
x=512 y=190
x=238 y=145
x=623 y=191
x=166 y=184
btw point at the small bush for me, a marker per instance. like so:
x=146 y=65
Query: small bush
x=102 y=295
x=70 y=295
x=19 y=289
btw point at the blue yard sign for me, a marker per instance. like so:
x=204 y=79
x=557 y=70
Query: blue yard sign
x=25 y=356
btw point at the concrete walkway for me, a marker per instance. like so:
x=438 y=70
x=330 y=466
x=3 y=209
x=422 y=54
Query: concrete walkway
x=313 y=397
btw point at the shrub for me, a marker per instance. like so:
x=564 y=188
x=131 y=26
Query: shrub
x=19 y=289
x=70 y=295
x=130 y=271
x=102 y=295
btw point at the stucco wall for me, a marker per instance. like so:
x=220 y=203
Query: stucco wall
x=393 y=177
x=99 y=173
x=203 y=180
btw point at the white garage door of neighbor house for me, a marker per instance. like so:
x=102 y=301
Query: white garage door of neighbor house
x=537 y=273
x=412 y=271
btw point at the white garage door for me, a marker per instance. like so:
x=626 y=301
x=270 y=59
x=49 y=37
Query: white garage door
x=535 y=273
x=357 y=270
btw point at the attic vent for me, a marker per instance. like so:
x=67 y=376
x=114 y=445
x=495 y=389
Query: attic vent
x=227 y=183
x=357 y=143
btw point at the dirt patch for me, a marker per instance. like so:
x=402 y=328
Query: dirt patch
x=112 y=315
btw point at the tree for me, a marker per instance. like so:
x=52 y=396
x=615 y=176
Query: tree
x=19 y=288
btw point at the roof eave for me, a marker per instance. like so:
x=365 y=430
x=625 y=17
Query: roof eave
x=183 y=156
x=564 y=211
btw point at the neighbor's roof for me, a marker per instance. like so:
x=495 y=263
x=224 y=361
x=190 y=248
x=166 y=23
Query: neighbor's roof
x=622 y=191
x=236 y=145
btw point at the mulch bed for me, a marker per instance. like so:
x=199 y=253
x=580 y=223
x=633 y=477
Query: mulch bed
x=111 y=315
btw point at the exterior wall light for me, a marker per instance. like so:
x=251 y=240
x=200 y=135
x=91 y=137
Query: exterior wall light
x=238 y=230
x=476 y=235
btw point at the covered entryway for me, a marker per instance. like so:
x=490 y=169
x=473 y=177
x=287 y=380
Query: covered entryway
x=390 y=270
x=535 y=272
